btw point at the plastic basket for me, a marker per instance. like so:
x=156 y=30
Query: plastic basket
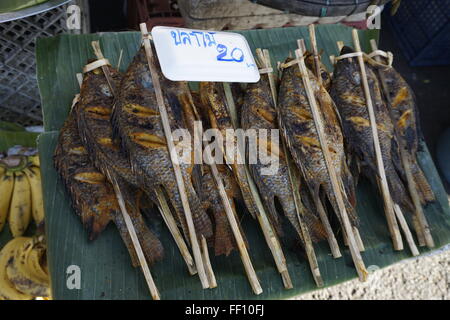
x=19 y=95
x=422 y=29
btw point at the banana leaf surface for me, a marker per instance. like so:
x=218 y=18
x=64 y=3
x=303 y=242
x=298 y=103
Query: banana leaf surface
x=106 y=271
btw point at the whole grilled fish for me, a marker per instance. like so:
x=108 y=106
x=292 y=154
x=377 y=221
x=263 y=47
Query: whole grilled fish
x=298 y=127
x=348 y=93
x=258 y=112
x=93 y=198
x=404 y=113
x=224 y=241
x=136 y=120
x=213 y=99
x=94 y=114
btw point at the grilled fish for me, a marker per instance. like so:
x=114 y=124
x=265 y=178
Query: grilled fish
x=137 y=122
x=92 y=196
x=95 y=128
x=347 y=91
x=258 y=112
x=404 y=113
x=213 y=99
x=299 y=130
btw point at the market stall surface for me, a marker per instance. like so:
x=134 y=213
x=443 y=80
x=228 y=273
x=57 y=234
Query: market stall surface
x=105 y=265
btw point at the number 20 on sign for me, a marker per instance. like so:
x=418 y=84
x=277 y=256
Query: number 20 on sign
x=199 y=55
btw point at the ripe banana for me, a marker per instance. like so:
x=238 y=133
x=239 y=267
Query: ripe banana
x=37 y=204
x=7 y=289
x=20 y=208
x=34 y=160
x=23 y=275
x=6 y=188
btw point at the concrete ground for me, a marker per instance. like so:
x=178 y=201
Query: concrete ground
x=424 y=278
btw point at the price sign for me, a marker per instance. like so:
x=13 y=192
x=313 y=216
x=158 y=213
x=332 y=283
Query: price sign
x=199 y=55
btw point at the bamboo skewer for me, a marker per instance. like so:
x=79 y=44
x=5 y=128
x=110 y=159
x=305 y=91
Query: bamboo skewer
x=331 y=238
x=264 y=56
x=175 y=163
x=388 y=203
x=406 y=231
x=420 y=221
x=312 y=37
x=99 y=55
x=209 y=270
x=137 y=246
x=164 y=208
x=354 y=250
x=268 y=231
x=176 y=234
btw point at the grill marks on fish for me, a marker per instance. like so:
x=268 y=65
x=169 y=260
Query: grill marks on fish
x=212 y=98
x=258 y=112
x=405 y=115
x=97 y=135
x=347 y=83
x=300 y=132
x=92 y=196
x=142 y=135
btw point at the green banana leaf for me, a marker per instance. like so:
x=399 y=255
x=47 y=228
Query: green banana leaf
x=106 y=271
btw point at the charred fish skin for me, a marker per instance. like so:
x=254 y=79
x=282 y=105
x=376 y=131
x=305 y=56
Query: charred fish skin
x=224 y=242
x=299 y=130
x=348 y=93
x=212 y=98
x=258 y=112
x=136 y=120
x=404 y=112
x=94 y=120
x=92 y=196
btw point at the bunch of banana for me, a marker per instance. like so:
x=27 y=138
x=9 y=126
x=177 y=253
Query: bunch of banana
x=20 y=187
x=23 y=269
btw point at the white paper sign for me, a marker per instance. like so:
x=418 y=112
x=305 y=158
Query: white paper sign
x=199 y=55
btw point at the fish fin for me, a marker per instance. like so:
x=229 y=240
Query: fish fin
x=423 y=187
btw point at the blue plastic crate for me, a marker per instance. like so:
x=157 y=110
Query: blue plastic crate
x=422 y=28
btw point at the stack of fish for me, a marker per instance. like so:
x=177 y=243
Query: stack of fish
x=113 y=143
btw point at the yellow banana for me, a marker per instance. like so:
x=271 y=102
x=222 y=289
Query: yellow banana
x=34 y=160
x=37 y=264
x=22 y=275
x=6 y=188
x=37 y=204
x=7 y=289
x=20 y=208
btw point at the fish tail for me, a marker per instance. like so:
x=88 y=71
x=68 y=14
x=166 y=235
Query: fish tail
x=241 y=177
x=126 y=238
x=151 y=246
x=223 y=239
x=202 y=222
x=269 y=201
x=398 y=190
x=425 y=192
